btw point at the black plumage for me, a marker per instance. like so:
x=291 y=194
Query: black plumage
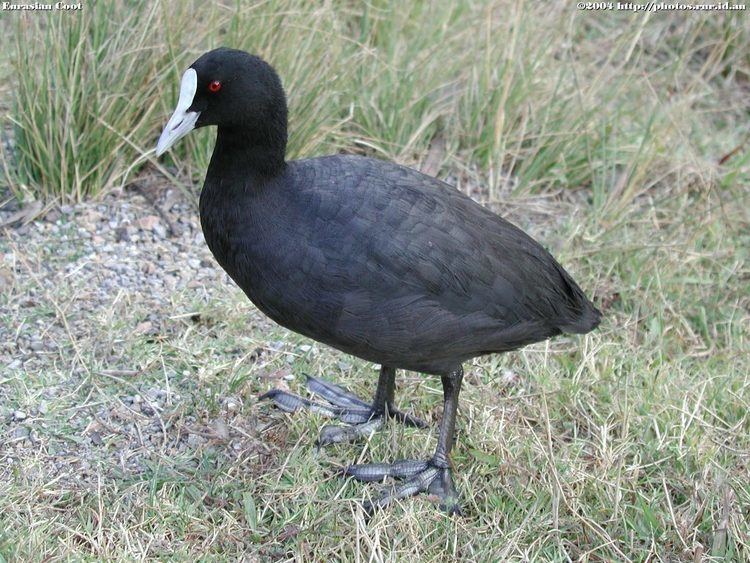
x=387 y=264
x=372 y=258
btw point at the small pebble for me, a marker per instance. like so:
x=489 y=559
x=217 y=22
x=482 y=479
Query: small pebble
x=159 y=230
x=220 y=429
x=52 y=216
x=195 y=441
x=20 y=433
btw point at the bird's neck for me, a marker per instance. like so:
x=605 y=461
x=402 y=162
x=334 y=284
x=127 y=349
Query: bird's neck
x=251 y=150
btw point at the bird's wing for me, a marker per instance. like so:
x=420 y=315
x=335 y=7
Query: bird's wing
x=399 y=233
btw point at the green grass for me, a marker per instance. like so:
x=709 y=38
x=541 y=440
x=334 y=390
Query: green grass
x=619 y=140
x=555 y=97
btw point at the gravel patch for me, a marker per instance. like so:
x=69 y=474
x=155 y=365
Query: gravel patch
x=75 y=401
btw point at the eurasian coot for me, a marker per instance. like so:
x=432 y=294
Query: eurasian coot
x=372 y=258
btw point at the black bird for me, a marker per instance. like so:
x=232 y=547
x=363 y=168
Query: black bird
x=372 y=258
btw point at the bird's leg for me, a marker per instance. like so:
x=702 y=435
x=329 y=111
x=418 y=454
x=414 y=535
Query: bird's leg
x=432 y=476
x=382 y=403
x=362 y=419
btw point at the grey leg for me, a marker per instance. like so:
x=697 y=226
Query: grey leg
x=382 y=403
x=433 y=476
x=451 y=389
x=383 y=400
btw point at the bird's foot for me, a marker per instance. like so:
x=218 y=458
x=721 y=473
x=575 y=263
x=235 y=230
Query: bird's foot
x=361 y=418
x=414 y=477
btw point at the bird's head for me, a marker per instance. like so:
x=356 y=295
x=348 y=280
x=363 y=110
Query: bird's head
x=237 y=91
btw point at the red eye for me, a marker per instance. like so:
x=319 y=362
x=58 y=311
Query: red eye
x=214 y=86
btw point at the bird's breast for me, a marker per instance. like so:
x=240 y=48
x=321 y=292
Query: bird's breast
x=270 y=257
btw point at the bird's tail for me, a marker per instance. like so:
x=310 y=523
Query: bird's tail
x=582 y=316
x=586 y=321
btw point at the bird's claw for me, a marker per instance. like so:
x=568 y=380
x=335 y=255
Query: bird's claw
x=415 y=477
x=344 y=405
